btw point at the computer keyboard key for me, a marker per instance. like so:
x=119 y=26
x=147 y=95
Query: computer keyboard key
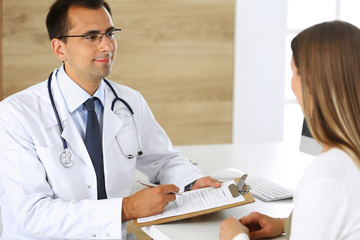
x=267 y=191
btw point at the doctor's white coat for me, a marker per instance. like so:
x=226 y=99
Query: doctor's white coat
x=41 y=199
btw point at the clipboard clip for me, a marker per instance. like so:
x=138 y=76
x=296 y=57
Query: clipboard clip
x=240 y=187
x=243 y=188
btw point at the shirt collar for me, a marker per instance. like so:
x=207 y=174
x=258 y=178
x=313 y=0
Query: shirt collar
x=73 y=94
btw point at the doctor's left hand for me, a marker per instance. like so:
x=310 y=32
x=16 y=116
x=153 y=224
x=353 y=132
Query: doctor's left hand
x=148 y=201
x=206 y=182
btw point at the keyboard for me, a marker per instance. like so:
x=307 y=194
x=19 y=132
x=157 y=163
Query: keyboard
x=268 y=191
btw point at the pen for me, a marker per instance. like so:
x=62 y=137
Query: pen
x=148 y=184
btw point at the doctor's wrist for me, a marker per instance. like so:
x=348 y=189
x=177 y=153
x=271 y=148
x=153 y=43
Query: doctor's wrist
x=127 y=212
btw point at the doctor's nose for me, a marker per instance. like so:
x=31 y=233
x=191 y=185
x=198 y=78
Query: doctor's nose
x=106 y=44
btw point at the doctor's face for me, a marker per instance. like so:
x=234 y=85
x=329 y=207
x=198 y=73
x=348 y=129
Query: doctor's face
x=87 y=62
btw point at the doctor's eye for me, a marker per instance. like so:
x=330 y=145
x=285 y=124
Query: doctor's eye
x=110 y=35
x=91 y=37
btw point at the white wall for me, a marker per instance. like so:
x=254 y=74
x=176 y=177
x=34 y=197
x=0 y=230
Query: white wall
x=259 y=70
x=0 y=223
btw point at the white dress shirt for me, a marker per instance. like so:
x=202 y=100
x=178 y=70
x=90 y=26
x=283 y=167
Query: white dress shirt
x=74 y=97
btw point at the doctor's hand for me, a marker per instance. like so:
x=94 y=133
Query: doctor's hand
x=148 y=201
x=206 y=182
x=230 y=228
x=263 y=226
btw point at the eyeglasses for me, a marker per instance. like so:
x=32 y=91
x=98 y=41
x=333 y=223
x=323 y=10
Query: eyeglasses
x=96 y=38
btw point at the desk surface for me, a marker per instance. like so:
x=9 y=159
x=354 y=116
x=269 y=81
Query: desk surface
x=274 y=161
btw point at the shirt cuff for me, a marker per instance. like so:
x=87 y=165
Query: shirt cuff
x=189 y=186
x=242 y=236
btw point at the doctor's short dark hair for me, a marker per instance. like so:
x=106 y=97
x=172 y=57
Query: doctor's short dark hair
x=57 y=22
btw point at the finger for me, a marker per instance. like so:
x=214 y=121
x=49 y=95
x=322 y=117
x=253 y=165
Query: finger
x=158 y=209
x=169 y=197
x=210 y=182
x=252 y=218
x=258 y=234
x=215 y=183
x=169 y=188
x=206 y=182
x=166 y=192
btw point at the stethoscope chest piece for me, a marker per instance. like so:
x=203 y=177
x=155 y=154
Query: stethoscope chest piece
x=67 y=159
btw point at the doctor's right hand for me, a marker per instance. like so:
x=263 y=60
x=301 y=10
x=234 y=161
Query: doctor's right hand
x=148 y=202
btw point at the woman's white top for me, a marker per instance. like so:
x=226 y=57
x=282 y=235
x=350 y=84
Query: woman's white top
x=327 y=200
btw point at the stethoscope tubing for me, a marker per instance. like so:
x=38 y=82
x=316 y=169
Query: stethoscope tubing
x=117 y=98
x=131 y=112
x=56 y=112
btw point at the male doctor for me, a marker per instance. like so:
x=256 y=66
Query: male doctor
x=67 y=162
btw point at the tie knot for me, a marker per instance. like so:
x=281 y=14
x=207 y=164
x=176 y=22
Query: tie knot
x=89 y=104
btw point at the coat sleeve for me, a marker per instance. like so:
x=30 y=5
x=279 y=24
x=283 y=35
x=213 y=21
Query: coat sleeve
x=161 y=162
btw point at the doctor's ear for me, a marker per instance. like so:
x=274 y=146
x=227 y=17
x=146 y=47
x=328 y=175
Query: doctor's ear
x=57 y=47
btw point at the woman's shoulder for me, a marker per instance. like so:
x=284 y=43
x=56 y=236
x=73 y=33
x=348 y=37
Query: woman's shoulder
x=333 y=169
x=334 y=163
x=328 y=192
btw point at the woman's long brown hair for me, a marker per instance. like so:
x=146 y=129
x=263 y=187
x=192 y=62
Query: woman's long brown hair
x=327 y=57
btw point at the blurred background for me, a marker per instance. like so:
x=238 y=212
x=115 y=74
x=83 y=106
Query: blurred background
x=212 y=71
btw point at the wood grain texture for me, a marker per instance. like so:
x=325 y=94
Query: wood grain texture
x=177 y=53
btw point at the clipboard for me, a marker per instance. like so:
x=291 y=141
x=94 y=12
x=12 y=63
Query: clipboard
x=248 y=198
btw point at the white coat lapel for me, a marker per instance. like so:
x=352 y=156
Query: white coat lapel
x=74 y=140
x=70 y=132
x=111 y=122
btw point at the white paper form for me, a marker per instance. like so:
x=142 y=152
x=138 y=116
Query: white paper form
x=197 y=200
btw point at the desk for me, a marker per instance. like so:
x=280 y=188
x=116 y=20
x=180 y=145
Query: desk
x=273 y=161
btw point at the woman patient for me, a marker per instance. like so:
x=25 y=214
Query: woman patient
x=326 y=82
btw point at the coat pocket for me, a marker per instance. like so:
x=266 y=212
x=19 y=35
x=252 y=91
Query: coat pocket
x=67 y=183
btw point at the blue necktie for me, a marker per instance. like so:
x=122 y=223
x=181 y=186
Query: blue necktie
x=94 y=146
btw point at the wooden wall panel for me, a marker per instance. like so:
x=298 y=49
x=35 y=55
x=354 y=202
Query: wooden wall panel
x=28 y=58
x=177 y=53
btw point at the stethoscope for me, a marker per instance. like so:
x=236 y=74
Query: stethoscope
x=66 y=158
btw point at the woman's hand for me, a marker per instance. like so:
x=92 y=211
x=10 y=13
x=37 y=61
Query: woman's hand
x=230 y=228
x=263 y=226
